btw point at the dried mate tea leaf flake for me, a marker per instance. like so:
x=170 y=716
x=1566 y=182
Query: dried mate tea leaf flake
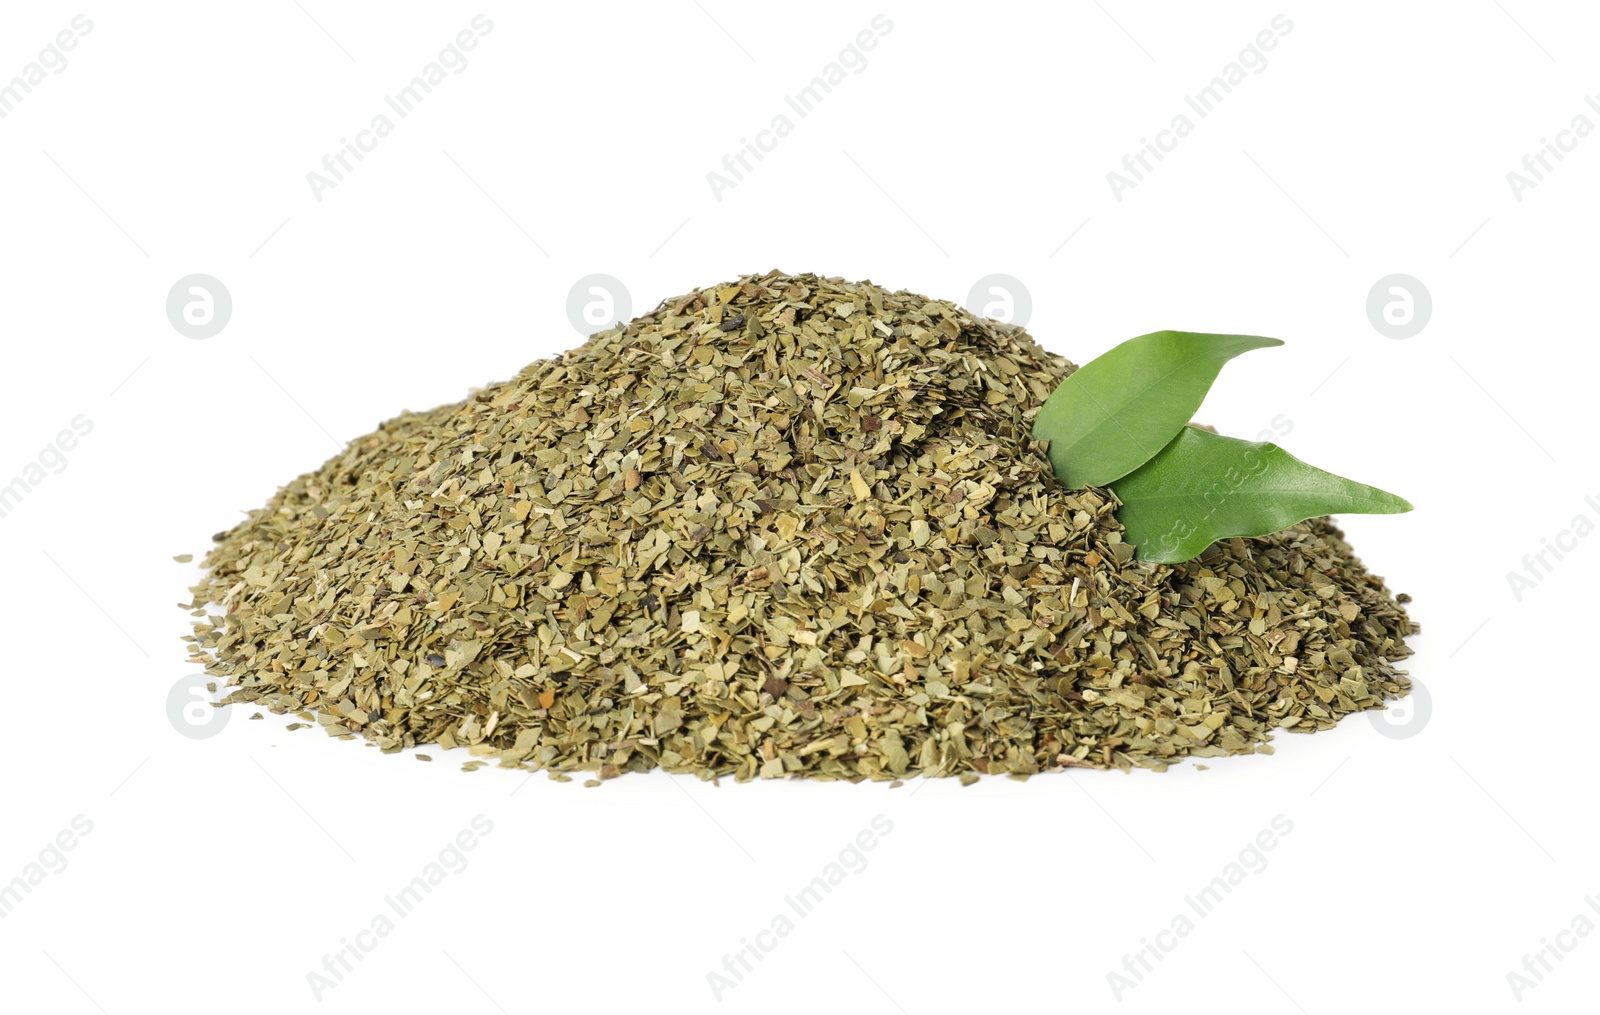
x=816 y=543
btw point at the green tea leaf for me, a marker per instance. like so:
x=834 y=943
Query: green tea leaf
x=1201 y=488
x=1116 y=412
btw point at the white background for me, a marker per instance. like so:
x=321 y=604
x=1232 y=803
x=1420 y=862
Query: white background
x=1421 y=869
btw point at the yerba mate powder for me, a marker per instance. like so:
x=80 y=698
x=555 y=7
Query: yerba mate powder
x=786 y=526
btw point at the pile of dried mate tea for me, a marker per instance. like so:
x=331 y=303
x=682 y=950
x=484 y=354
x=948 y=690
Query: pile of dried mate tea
x=786 y=526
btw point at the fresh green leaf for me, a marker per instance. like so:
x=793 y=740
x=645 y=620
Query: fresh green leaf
x=1116 y=412
x=1201 y=488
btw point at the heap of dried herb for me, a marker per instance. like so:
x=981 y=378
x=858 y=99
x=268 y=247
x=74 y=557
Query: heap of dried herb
x=787 y=526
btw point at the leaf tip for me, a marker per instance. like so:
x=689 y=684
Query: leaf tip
x=1249 y=341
